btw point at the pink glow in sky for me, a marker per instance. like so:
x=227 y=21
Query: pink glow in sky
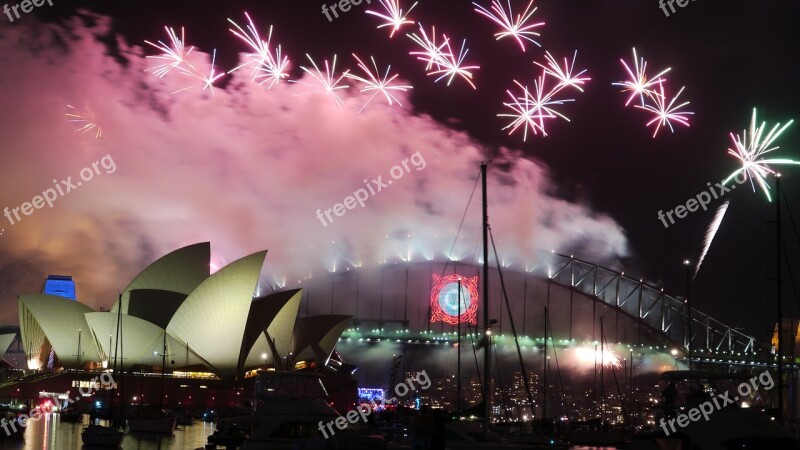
x=245 y=169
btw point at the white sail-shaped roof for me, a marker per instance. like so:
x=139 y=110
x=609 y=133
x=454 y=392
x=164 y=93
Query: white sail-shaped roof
x=179 y=271
x=140 y=341
x=214 y=315
x=274 y=315
x=315 y=337
x=61 y=321
x=5 y=341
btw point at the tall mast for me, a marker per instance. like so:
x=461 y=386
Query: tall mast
x=487 y=350
x=163 y=370
x=602 y=384
x=116 y=383
x=686 y=263
x=544 y=377
x=780 y=294
x=458 y=351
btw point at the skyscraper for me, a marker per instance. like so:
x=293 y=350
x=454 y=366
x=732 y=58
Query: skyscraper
x=60 y=285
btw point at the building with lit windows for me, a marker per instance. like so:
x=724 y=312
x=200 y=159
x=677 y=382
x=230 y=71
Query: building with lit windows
x=209 y=325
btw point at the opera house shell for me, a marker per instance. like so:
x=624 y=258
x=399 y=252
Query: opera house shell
x=211 y=324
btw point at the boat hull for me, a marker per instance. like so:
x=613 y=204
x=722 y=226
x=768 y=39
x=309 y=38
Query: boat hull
x=159 y=425
x=97 y=436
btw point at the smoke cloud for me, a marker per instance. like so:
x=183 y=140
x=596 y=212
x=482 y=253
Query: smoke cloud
x=246 y=169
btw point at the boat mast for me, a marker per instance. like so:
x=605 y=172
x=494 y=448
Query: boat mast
x=602 y=383
x=114 y=370
x=488 y=332
x=458 y=351
x=163 y=369
x=780 y=296
x=544 y=377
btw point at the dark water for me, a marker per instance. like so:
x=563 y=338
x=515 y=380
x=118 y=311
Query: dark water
x=48 y=433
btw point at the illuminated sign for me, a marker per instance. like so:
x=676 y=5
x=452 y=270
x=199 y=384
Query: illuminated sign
x=445 y=304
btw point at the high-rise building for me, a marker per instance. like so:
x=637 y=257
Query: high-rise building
x=59 y=285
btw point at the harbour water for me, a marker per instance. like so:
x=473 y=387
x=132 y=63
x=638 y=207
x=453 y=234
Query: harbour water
x=49 y=433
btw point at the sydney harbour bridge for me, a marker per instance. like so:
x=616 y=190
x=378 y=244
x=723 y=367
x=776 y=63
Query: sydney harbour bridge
x=395 y=306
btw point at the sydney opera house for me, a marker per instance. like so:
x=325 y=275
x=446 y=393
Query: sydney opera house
x=203 y=325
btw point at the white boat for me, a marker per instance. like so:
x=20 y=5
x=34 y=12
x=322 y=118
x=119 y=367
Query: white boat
x=100 y=436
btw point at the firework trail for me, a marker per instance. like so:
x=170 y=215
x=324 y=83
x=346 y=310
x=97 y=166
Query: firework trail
x=452 y=65
x=431 y=53
x=652 y=98
x=176 y=57
x=447 y=64
x=750 y=151
x=327 y=83
x=533 y=106
x=564 y=75
x=638 y=83
x=380 y=85
x=395 y=17
x=273 y=68
x=519 y=28
x=710 y=233
x=206 y=81
x=666 y=113
x=84 y=120
x=524 y=113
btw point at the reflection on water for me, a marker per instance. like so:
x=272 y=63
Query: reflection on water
x=49 y=433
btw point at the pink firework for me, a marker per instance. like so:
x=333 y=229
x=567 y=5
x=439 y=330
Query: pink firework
x=173 y=56
x=432 y=53
x=328 y=82
x=266 y=67
x=206 y=81
x=524 y=114
x=452 y=65
x=565 y=75
x=176 y=57
x=395 y=17
x=373 y=82
x=533 y=107
x=638 y=83
x=519 y=27
x=536 y=105
x=665 y=113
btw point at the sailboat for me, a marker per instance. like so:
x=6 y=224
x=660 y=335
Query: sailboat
x=596 y=431
x=98 y=435
x=462 y=437
x=150 y=419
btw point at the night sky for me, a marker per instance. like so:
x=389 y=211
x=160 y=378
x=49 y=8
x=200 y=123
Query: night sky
x=247 y=168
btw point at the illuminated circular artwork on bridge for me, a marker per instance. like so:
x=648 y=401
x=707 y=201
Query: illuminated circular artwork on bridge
x=444 y=299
